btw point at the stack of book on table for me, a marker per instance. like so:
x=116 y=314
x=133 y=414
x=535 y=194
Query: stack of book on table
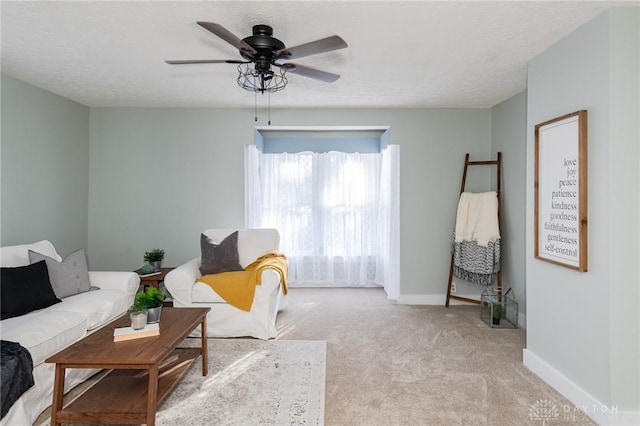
x=128 y=333
x=146 y=274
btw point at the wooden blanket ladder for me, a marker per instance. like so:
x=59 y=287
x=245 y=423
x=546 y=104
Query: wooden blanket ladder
x=467 y=163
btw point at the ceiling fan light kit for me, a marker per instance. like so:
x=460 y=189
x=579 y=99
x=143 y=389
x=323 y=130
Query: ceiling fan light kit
x=260 y=71
x=262 y=81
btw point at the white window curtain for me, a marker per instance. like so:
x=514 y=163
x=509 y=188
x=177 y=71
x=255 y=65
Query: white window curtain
x=334 y=211
x=388 y=259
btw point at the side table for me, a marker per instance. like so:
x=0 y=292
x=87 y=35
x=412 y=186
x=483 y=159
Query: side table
x=155 y=280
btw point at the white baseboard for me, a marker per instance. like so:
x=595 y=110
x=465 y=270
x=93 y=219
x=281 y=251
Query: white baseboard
x=432 y=299
x=600 y=413
x=440 y=299
x=421 y=299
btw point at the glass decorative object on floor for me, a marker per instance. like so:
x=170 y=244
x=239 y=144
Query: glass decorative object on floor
x=498 y=310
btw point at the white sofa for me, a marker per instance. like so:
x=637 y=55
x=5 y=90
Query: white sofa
x=47 y=331
x=225 y=320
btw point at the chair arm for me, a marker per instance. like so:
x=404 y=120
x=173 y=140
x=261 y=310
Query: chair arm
x=270 y=279
x=267 y=301
x=181 y=280
x=127 y=282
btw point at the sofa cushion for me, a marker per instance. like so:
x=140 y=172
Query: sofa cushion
x=69 y=277
x=24 y=289
x=221 y=257
x=98 y=307
x=45 y=333
x=19 y=255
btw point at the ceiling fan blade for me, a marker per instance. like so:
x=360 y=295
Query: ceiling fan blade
x=227 y=36
x=205 y=61
x=312 y=48
x=310 y=72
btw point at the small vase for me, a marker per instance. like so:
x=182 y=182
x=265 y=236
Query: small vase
x=153 y=315
x=156 y=264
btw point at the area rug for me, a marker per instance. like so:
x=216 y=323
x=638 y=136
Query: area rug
x=251 y=382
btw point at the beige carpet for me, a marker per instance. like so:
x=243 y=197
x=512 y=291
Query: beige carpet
x=390 y=364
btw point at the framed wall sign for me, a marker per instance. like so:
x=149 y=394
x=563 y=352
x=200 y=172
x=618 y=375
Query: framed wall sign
x=561 y=191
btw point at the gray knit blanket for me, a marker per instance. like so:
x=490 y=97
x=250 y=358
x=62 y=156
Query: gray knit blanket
x=474 y=263
x=17 y=373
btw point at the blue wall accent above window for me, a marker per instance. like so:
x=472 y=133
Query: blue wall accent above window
x=314 y=144
x=367 y=140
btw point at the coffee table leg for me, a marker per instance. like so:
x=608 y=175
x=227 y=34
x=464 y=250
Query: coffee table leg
x=58 y=394
x=152 y=395
x=203 y=329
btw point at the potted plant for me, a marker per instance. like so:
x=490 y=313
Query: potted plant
x=154 y=257
x=150 y=300
x=498 y=312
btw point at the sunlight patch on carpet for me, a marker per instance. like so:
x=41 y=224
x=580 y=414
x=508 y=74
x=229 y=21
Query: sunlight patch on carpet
x=275 y=382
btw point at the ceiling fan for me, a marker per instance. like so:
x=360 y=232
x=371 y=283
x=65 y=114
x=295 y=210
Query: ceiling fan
x=261 y=69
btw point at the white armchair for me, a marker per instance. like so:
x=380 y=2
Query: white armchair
x=225 y=320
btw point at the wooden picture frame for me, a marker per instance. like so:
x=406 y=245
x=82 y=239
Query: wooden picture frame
x=560 y=183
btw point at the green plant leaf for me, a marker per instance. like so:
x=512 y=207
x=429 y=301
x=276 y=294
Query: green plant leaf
x=150 y=298
x=154 y=255
x=498 y=311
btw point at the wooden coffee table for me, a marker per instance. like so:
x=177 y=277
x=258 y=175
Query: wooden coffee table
x=143 y=372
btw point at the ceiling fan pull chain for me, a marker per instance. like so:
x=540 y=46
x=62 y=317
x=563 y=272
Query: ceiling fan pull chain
x=269 y=109
x=255 y=106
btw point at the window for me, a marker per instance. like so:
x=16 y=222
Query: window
x=331 y=212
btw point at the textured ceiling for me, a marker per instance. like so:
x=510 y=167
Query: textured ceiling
x=400 y=54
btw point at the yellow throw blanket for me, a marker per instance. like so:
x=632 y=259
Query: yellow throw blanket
x=238 y=288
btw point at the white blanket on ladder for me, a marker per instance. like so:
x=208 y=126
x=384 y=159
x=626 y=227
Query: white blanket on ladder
x=477 y=218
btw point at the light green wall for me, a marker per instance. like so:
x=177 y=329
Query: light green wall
x=44 y=168
x=509 y=136
x=586 y=325
x=624 y=207
x=161 y=176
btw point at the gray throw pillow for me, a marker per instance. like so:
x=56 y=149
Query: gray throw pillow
x=221 y=257
x=69 y=277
